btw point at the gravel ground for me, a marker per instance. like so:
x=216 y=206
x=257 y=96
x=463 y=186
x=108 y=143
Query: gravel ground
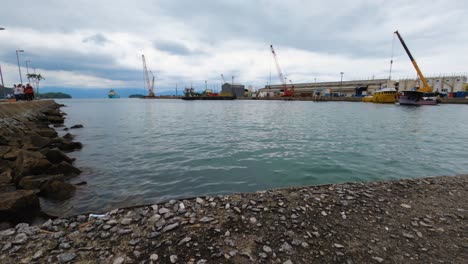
x=407 y=221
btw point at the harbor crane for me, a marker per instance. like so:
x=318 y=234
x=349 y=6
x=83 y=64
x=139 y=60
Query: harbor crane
x=149 y=86
x=222 y=77
x=426 y=88
x=288 y=92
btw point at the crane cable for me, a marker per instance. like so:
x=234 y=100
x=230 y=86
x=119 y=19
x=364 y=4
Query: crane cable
x=391 y=60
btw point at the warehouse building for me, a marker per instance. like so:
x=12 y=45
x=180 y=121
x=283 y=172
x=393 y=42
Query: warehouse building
x=237 y=89
x=344 y=88
x=442 y=84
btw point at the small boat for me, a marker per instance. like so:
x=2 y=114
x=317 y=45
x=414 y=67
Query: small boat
x=417 y=98
x=113 y=94
x=387 y=95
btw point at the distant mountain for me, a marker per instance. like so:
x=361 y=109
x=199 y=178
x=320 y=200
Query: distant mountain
x=52 y=95
x=101 y=92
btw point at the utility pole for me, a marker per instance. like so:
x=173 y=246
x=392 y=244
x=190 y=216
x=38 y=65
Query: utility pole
x=3 y=84
x=232 y=85
x=19 y=67
x=27 y=69
x=176 y=90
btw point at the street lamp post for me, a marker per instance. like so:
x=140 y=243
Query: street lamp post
x=232 y=85
x=341 y=82
x=27 y=69
x=19 y=67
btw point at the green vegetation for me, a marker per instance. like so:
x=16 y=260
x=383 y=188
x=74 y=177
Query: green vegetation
x=466 y=87
x=57 y=95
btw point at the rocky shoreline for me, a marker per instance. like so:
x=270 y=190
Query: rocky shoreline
x=33 y=162
x=406 y=221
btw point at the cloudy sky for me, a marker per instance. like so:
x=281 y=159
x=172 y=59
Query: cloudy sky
x=98 y=44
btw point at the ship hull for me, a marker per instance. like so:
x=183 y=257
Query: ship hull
x=191 y=98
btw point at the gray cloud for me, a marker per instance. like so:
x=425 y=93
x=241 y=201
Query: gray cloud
x=232 y=36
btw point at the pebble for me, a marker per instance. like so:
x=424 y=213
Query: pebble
x=155 y=207
x=378 y=259
x=267 y=249
x=202 y=261
x=288 y=262
x=200 y=200
x=118 y=260
x=66 y=257
x=173 y=258
x=263 y=255
x=184 y=240
x=20 y=238
x=324 y=213
x=38 y=254
x=407 y=206
x=338 y=245
x=154 y=257
x=206 y=219
x=126 y=221
x=170 y=227
x=253 y=220
x=408 y=235
x=163 y=210
x=8 y=232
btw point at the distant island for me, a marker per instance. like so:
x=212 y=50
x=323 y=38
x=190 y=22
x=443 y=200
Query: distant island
x=136 y=96
x=57 y=95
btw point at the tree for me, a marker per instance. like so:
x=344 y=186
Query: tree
x=36 y=79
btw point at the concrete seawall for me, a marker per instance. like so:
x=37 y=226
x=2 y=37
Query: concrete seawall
x=20 y=109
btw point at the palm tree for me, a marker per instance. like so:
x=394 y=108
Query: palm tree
x=36 y=79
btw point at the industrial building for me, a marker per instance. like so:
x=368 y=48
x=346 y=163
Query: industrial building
x=442 y=84
x=340 y=88
x=235 y=89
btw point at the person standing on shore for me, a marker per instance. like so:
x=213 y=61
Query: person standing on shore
x=17 y=92
x=29 y=92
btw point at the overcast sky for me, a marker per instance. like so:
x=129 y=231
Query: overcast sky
x=93 y=44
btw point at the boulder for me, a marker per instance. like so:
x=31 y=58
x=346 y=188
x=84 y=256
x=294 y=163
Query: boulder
x=6 y=176
x=65 y=145
x=64 y=168
x=68 y=137
x=30 y=163
x=58 y=190
x=52 y=112
x=12 y=154
x=50 y=133
x=18 y=201
x=4 y=140
x=76 y=126
x=56 y=156
x=4 y=150
x=38 y=141
x=38 y=181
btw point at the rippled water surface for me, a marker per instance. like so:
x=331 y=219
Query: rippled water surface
x=143 y=151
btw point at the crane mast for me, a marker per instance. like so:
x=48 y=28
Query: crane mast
x=149 y=86
x=426 y=88
x=287 y=92
x=222 y=77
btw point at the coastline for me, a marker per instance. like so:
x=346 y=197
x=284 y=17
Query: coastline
x=405 y=221
x=33 y=160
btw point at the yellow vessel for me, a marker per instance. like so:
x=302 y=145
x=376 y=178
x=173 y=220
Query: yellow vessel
x=383 y=96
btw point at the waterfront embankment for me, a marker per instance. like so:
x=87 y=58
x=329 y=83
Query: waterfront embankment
x=342 y=99
x=33 y=162
x=406 y=221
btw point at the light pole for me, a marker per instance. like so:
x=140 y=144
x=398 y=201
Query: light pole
x=27 y=69
x=19 y=67
x=232 y=86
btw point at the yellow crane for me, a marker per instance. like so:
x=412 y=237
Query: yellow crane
x=426 y=88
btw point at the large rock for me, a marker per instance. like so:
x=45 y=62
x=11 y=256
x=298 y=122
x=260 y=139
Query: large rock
x=4 y=150
x=76 y=126
x=6 y=176
x=48 y=132
x=30 y=163
x=64 y=168
x=58 y=190
x=38 y=181
x=64 y=144
x=17 y=202
x=36 y=140
x=12 y=154
x=56 y=156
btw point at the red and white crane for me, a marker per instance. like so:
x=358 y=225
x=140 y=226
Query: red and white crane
x=287 y=91
x=149 y=86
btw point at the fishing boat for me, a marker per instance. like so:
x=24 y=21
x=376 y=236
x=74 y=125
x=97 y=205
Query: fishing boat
x=113 y=94
x=388 y=95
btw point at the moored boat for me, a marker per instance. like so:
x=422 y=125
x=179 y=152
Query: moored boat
x=417 y=98
x=113 y=94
